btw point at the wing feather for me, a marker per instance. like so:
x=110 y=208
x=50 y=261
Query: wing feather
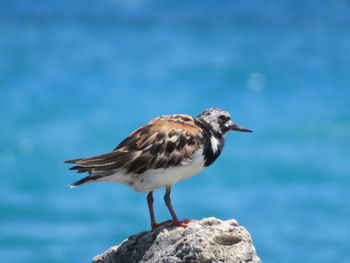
x=163 y=142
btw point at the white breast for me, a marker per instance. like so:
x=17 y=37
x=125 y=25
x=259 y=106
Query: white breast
x=158 y=178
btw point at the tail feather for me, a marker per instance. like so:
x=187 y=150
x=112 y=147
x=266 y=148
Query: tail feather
x=73 y=161
x=100 y=166
x=87 y=179
x=81 y=169
x=103 y=162
x=115 y=157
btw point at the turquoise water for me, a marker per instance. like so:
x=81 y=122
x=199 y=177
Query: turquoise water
x=76 y=77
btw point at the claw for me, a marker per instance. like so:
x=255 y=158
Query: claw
x=183 y=223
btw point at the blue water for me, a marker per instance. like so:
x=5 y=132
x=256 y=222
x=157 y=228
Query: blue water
x=76 y=77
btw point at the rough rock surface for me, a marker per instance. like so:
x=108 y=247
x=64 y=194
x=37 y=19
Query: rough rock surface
x=209 y=240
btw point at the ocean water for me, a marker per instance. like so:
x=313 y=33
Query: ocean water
x=76 y=77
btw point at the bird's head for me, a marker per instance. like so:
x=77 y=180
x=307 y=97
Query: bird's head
x=220 y=121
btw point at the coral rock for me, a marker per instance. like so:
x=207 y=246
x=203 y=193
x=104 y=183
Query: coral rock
x=209 y=240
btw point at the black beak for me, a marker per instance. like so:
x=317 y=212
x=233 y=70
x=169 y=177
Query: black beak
x=236 y=127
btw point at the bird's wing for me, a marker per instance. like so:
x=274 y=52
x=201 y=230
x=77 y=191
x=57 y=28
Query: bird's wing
x=163 y=142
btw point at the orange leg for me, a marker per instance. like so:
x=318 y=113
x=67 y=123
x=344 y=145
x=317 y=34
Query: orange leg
x=150 y=201
x=150 y=207
x=175 y=222
x=169 y=205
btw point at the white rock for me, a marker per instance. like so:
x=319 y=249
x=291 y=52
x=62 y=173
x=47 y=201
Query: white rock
x=209 y=240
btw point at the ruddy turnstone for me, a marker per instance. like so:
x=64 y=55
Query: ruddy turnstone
x=161 y=153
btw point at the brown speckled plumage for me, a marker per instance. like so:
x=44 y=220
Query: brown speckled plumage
x=163 y=142
x=161 y=153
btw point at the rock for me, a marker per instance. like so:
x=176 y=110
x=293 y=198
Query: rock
x=209 y=240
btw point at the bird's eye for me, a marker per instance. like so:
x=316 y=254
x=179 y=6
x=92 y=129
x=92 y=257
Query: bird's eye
x=223 y=117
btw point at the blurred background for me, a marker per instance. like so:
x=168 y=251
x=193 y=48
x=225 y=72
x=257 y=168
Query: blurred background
x=76 y=77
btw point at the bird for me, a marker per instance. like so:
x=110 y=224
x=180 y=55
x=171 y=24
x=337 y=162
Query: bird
x=161 y=153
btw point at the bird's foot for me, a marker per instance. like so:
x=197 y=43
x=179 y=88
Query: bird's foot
x=183 y=223
x=155 y=225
